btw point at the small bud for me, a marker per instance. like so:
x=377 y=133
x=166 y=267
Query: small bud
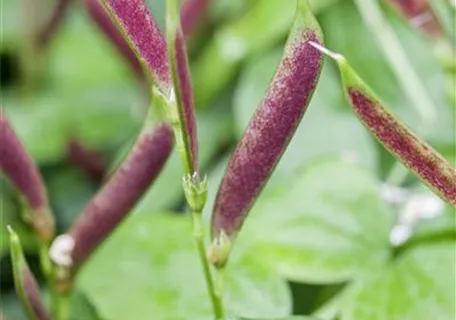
x=25 y=283
x=195 y=191
x=219 y=250
x=20 y=169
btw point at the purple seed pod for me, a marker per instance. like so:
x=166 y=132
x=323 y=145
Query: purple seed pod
x=54 y=22
x=182 y=87
x=272 y=126
x=192 y=13
x=396 y=137
x=104 y=22
x=22 y=172
x=121 y=192
x=25 y=283
x=144 y=36
x=89 y=161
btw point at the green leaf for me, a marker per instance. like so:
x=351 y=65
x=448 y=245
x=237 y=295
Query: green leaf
x=11 y=215
x=419 y=286
x=328 y=225
x=149 y=268
x=287 y=318
x=327 y=128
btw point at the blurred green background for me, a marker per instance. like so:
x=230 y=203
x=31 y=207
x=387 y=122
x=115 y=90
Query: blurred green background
x=317 y=241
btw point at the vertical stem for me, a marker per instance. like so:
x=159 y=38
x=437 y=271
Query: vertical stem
x=59 y=301
x=60 y=305
x=199 y=240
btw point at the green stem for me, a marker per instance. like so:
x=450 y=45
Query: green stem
x=199 y=240
x=60 y=305
x=59 y=301
x=397 y=58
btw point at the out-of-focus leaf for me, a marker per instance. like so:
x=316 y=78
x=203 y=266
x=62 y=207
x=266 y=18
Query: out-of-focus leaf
x=287 y=318
x=214 y=130
x=369 y=61
x=328 y=225
x=418 y=286
x=10 y=214
x=11 y=307
x=153 y=256
x=69 y=192
x=327 y=129
x=81 y=308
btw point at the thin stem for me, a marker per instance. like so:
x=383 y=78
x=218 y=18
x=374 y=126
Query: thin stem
x=199 y=240
x=397 y=58
x=60 y=305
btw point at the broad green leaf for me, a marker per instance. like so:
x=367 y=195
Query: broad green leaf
x=369 y=61
x=328 y=225
x=149 y=269
x=420 y=285
x=327 y=129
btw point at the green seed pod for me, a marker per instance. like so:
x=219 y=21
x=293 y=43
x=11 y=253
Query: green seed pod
x=25 y=283
x=396 y=137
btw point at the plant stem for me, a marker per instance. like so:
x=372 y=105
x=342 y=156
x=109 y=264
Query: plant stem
x=59 y=301
x=199 y=240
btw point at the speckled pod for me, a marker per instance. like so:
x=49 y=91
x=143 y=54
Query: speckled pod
x=25 y=283
x=144 y=36
x=272 y=126
x=124 y=188
x=192 y=13
x=90 y=162
x=182 y=86
x=99 y=15
x=397 y=138
x=22 y=172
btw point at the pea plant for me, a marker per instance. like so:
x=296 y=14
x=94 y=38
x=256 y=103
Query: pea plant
x=314 y=218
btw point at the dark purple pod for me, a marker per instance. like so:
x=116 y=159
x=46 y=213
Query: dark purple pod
x=89 y=161
x=182 y=87
x=25 y=283
x=272 y=126
x=104 y=22
x=121 y=192
x=192 y=13
x=20 y=169
x=144 y=36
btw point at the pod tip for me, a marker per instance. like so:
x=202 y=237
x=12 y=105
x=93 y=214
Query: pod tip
x=333 y=55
